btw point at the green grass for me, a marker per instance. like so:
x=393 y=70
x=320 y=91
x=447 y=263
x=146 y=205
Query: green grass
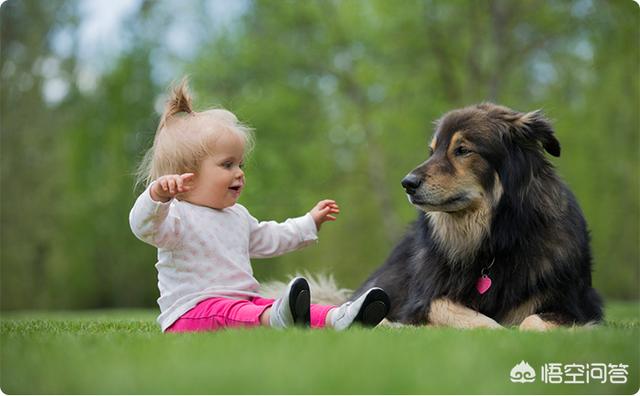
x=124 y=352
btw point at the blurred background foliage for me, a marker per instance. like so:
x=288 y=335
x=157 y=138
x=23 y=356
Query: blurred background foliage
x=342 y=95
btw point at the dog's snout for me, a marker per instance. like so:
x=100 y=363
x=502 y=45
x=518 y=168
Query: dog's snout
x=411 y=183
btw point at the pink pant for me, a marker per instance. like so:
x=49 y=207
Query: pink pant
x=216 y=313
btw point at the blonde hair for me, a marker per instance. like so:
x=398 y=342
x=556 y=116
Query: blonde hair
x=184 y=138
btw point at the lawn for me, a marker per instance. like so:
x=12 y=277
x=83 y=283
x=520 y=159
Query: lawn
x=124 y=352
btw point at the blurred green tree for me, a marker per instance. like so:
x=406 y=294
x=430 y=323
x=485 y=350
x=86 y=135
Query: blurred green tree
x=30 y=144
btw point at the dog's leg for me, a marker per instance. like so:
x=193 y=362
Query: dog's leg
x=445 y=312
x=536 y=323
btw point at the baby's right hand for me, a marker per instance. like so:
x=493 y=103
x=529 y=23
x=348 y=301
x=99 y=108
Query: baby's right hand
x=168 y=186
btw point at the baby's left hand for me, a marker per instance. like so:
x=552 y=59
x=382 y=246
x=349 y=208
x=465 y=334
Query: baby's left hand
x=323 y=211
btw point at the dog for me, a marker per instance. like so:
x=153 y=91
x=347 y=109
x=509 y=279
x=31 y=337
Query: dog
x=500 y=239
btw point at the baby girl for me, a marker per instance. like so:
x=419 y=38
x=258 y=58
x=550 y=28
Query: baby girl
x=205 y=239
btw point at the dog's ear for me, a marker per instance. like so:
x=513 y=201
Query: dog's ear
x=535 y=126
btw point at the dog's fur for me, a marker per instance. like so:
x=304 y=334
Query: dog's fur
x=490 y=202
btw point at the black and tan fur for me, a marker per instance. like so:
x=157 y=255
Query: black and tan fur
x=487 y=194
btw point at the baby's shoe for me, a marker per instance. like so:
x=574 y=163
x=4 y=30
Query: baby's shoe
x=367 y=310
x=293 y=307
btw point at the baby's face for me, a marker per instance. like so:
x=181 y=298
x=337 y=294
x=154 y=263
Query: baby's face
x=220 y=180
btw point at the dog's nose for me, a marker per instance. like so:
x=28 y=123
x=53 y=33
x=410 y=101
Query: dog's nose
x=411 y=182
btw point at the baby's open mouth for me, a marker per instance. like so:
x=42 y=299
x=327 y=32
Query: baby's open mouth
x=235 y=188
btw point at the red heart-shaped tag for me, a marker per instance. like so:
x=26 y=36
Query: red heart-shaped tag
x=483 y=284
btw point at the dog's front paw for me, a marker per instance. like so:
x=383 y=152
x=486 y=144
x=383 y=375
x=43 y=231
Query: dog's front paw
x=445 y=312
x=488 y=323
x=536 y=323
x=389 y=324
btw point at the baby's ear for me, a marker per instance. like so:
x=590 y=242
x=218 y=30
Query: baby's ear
x=535 y=126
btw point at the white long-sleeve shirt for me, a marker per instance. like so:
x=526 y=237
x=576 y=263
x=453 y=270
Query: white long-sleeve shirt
x=204 y=252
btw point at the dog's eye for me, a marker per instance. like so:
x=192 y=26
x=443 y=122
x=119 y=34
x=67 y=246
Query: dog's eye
x=460 y=151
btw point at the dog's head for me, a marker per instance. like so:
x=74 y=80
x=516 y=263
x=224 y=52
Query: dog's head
x=477 y=153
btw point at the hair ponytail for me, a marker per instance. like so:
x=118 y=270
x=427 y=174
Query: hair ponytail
x=180 y=101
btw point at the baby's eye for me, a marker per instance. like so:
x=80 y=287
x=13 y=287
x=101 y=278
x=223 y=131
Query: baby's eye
x=241 y=166
x=227 y=165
